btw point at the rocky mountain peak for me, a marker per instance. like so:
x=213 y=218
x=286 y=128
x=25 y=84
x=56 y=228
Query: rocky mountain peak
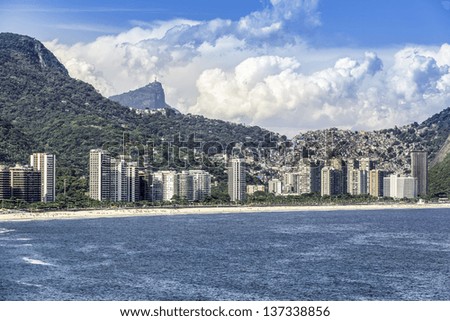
x=150 y=96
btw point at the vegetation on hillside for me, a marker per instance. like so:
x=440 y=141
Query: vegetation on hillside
x=440 y=177
x=42 y=109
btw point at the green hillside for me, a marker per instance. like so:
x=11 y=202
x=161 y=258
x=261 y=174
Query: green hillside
x=14 y=144
x=440 y=177
x=43 y=109
x=68 y=117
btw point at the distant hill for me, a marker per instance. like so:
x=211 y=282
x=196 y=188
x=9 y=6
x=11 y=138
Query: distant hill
x=442 y=153
x=440 y=170
x=435 y=131
x=391 y=147
x=440 y=177
x=150 y=97
x=43 y=109
x=55 y=113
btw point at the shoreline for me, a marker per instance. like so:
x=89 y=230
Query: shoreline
x=10 y=216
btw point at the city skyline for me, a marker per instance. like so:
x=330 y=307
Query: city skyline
x=283 y=65
x=121 y=179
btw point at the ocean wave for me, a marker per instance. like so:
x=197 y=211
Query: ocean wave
x=5 y=230
x=36 y=262
x=29 y=284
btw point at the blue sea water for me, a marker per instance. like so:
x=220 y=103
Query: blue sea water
x=335 y=255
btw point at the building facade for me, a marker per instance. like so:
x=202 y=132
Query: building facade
x=400 y=187
x=331 y=181
x=99 y=175
x=164 y=186
x=201 y=184
x=362 y=182
x=5 y=183
x=252 y=189
x=309 y=177
x=46 y=165
x=419 y=170
x=236 y=180
x=184 y=186
x=145 y=185
x=275 y=187
x=124 y=181
x=290 y=183
x=112 y=179
x=25 y=183
x=376 y=182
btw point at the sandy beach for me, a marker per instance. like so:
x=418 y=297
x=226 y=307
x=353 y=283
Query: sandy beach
x=11 y=215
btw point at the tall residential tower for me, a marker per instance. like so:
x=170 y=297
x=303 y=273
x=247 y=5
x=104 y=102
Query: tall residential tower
x=236 y=180
x=99 y=175
x=46 y=165
x=419 y=170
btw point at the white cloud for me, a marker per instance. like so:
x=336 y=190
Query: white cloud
x=270 y=89
x=258 y=70
x=132 y=58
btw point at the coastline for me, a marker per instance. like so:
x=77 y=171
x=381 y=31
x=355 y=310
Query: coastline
x=9 y=216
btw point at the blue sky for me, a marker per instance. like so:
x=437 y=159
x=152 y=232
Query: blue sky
x=344 y=22
x=382 y=23
x=287 y=65
x=84 y=20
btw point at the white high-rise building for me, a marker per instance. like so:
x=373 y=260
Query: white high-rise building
x=118 y=180
x=99 y=175
x=399 y=187
x=236 y=180
x=46 y=164
x=290 y=183
x=184 y=186
x=164 y=185
x=124 y=180
x=112 y=179
x=275 y=187
x=133 y=188
x=201 y=184
x=407 y=187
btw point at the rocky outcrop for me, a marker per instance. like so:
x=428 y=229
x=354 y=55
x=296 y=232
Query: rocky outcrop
x=149 y=97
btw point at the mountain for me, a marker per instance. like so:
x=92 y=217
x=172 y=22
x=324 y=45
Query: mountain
x=148 y=97
x=43 y=109
x=391 y=147
x=435 y=131
x=439 y=174
x=440 y=177
x=15 y=49
x=58 y=114
x=442 y=154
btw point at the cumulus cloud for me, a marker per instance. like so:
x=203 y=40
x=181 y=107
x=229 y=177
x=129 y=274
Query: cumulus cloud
x=270 y=89
x=278 y=16
x=133 y=58
x=259 y=70
x=353 y=93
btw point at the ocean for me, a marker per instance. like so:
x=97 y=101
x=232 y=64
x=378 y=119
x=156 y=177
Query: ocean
x=333 y=255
